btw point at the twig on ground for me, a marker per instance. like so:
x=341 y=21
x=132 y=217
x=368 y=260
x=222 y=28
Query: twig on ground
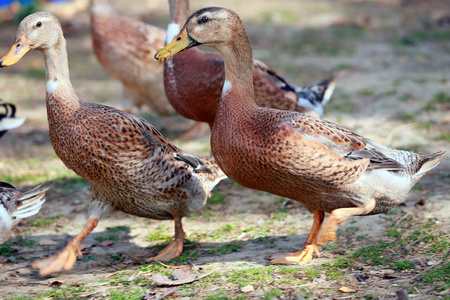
x=402 y=218
x=407 y=247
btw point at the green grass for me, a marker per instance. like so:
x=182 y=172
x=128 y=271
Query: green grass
x=126 y=294
x=403 y=265
x=440 y=276
x=438 y=99
x=157 y=235
x=108 y=237
x=43 y=222
x=217 y=198
x=34 y=73
x=227 y=249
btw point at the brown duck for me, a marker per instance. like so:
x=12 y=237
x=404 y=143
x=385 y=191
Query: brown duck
x=193 y=80
x=125 y=48
x=130 y=165
x=318 y=163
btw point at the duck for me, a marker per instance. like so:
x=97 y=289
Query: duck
x=130 y=165
x=17 y=204
x=8 y=119
x=322 y=165
x=195 y=92
x=133 y=43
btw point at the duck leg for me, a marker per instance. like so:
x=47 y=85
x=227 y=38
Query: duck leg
x=309 y=248
x=174 y=249
x=65 y=259
x=337 y=217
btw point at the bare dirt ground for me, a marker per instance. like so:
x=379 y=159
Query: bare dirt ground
x=394 y=87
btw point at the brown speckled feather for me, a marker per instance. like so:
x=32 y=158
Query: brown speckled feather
x=125 y=48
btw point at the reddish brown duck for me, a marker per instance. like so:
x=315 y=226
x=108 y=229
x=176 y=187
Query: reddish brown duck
x=125 y=48
x=130 y=165
x=318 y=163
x=193 y=80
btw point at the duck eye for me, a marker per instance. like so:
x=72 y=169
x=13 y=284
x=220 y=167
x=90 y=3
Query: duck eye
x=203 y=20
x=38 y=24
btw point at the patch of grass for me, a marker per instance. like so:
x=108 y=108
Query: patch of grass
x=157 y=235
x=313 y=272
x=353 y=228
x=185 y=256
x=217 y=198
x=403 y=265
x=108 y=237
x=407 y=117
x=126 y=294
x=272 y=294
x=280 y=216
x=342 y=263
x=44 y=222
x=443 y=137
x=227 y=249
x=34 y=73
x=119 y=228
x=373 y=254
x=439 y=276
x=66 y=292
x=6 y=249
x=253 y=275
x=438 y=99
x=430 y=35
x=343 y=105
x=367 y=92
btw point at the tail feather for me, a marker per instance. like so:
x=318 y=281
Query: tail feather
x=330 y=85
x=30 y=202
x=314 y=97
x=428 y=162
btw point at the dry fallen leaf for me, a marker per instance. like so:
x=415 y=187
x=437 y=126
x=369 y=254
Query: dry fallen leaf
x=105 y=243
x=345 y=289
x=85 y=246
x=55 y=283
x=247 y=289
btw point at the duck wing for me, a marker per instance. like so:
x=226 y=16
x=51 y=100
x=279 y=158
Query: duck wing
x=317 y=148
x=151 y=132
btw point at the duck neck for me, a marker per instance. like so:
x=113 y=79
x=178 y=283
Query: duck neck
x=57 y=72
x=237 y=58
x=179 y=12
x=102 y=7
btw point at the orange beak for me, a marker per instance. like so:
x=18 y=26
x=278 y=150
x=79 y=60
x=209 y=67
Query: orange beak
x=18 y=49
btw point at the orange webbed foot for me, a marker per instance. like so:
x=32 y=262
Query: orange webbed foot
x=62 y=261
x=173 y=250
x=294 y=258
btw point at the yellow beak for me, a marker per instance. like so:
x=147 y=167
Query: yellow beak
x=18 y=49
x=181 y=42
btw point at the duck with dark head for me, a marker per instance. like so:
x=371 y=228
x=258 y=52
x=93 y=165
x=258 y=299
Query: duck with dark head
x=322 y=165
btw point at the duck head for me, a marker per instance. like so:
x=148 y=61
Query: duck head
x=38 y=31
x=211 y=26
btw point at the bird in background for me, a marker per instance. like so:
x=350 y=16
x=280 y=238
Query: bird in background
x=17 y=204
